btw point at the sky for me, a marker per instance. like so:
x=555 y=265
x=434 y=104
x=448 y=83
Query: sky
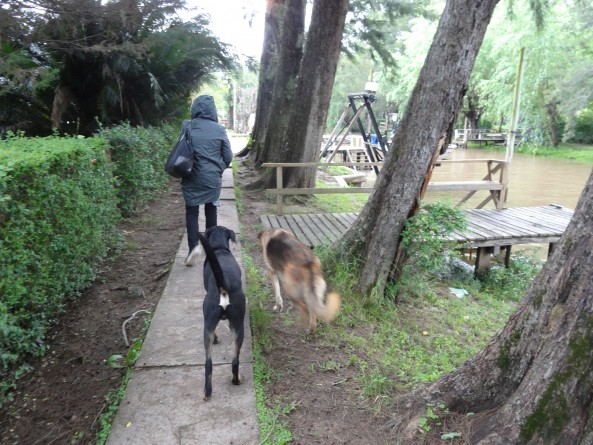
x=230 y=22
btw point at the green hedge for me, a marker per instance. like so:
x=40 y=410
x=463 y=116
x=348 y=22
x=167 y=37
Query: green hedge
x=139 y=155
x=60 y=202
x=58 y=214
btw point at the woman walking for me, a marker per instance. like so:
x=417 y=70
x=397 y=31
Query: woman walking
x=212 y=155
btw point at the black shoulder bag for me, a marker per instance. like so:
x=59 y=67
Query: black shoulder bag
x=181 y=159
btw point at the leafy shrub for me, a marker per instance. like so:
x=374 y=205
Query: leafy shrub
x=425 y=236
x=510 y=284
x=583 y=130
x=139 y=155
x=58 y=215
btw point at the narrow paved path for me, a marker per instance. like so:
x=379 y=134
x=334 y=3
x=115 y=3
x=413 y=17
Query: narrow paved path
x=163 y=401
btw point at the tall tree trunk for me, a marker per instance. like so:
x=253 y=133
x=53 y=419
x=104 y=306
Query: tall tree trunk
x=552 y=110
x=290 y=51
x=473 y=111
x=313 y=93
x=267 y=72
x=534 y=381
x=375 y=236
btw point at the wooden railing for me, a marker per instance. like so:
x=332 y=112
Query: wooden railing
x=497 y=188
x=280 y=191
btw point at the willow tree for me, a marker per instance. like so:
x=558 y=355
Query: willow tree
x=374 y=239
x=533 y=382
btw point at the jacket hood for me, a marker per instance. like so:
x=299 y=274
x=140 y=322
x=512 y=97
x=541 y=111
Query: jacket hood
x=203 y=107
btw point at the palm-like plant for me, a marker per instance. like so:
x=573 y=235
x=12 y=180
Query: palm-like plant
x=123 y=61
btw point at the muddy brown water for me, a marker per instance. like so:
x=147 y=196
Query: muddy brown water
x=533 y=181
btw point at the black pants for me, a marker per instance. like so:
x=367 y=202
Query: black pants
x=191 y=222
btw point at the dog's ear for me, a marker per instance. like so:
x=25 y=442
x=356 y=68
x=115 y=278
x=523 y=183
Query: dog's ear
x=231 y=235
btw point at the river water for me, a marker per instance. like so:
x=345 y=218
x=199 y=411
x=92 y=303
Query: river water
x=533 y=180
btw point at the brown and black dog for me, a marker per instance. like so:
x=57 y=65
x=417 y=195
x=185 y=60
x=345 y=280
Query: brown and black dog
x=295 y=266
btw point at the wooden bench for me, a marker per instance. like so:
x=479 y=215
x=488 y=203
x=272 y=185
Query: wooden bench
x=354 y=179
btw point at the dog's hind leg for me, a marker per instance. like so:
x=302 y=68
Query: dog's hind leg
x=238 y=334
x=307 y=316
x=208 y=341
x=312 y=323
x=277 y=294
x=216 y=338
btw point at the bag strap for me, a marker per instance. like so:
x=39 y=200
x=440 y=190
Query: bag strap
x=186 y=133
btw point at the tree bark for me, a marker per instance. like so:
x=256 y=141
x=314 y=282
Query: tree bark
x=473 y=111
x=308 y=112
x=267 y=72
x=290 y=51
x=534 y=380
x=552 y=110
x=375 y=236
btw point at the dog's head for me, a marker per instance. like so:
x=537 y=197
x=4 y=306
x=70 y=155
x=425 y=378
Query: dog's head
x=219 y=236
x=267 y=234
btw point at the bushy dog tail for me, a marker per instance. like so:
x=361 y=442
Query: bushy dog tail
x=332 y=304
x=216 y=269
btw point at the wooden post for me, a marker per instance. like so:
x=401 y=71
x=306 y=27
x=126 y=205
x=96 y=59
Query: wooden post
x=507 y=256
x=465 y=130
x=279 y=183
x=483 y=257
x=514 y=122
x=551 y=247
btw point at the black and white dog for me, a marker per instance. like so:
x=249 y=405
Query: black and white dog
x=224 y=300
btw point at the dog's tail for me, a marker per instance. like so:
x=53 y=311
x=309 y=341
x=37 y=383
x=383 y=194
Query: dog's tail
x=330 y=310
x=325 y=311
x=318 y=288
x=216 y=270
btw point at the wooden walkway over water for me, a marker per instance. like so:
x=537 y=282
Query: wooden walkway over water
x=487 y=228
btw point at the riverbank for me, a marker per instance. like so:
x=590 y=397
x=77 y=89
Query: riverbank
x=575 y=152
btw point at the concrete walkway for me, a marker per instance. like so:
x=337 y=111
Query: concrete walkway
x=163 y=401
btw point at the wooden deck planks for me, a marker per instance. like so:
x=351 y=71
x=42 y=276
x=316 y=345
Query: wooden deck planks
x=486 y=227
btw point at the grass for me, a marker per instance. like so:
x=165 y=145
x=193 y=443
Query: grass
x=339 y=203
x=334 y=170
x=427 y=333
x=579 y=153
x=114 y=397
x=393 y=344
x=575 y=152
x=272 y=430
x=420 y=329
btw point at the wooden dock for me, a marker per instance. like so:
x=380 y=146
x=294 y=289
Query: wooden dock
x=487 y=228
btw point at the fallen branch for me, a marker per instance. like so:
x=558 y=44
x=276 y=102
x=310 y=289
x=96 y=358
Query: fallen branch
x=123 y=326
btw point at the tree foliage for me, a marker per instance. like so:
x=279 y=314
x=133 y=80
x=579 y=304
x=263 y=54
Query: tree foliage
x=557 y=72
x=372 y=26
x=558 y=68
x=82 y=61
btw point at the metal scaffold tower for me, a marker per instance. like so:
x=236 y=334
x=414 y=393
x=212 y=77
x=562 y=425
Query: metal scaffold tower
x=374 y=144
